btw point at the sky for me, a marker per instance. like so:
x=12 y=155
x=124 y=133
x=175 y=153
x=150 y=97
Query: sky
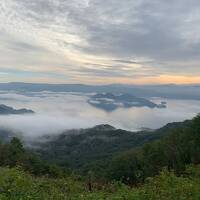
x=98 y=42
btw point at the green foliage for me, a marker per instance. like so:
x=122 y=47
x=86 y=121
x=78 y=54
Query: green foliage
x=15 y=184
x=179 y=148
x=167 y=186
x=13 y=154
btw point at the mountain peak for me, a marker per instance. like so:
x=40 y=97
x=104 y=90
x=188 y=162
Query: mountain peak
x=104 y=127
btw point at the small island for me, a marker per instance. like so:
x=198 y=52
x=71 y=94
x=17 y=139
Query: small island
x=7 y=110
x=110 y=102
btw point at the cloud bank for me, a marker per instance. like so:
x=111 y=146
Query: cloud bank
x=57 y=112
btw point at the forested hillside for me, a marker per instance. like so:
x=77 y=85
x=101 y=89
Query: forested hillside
x=80 y=149
x=181 y=146
x=165 y=168
x=92 y=149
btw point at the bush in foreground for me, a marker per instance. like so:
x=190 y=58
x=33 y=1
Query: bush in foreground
x=15 y=184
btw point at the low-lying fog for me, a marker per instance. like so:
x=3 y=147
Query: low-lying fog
x=56 y=112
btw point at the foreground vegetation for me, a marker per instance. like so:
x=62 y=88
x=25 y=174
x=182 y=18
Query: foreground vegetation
x=180 y=147
x=15 y=184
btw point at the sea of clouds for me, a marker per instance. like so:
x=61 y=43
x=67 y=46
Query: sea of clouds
x=57 y=112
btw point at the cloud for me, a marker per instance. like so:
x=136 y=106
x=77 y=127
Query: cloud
x=34 y=126
x=57 y=112
x=60 y=36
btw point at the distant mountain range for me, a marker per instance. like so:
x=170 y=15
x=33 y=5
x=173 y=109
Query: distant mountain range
x=165 y=91
x=7 y=110
x=110 y=102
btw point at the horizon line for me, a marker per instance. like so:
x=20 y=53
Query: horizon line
x=85 y=84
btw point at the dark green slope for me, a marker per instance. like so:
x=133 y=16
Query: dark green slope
x=93 y=148
x=88 y=148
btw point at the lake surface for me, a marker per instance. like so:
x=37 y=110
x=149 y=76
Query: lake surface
x=56 y=112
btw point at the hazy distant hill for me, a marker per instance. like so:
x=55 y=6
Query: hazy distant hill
x=165 y=91
x=7 y=110
x=110 y=102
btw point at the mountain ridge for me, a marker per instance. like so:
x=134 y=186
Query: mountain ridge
x=7 y=110
x=171 y=91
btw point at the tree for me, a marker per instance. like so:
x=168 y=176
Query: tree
x=16 y=152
